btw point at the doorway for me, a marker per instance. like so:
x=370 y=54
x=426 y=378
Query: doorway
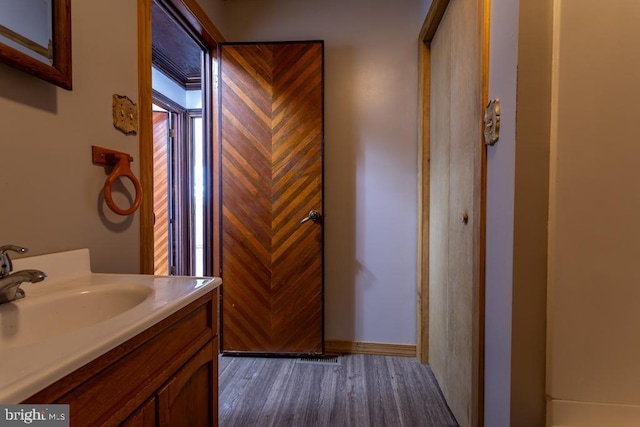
x=178 y=189
x=178 y=138
x=299 y=236
x=178 y=141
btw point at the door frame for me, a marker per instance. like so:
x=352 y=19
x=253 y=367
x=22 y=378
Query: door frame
x=427 y=33
x=180 y=180
x=193 y=17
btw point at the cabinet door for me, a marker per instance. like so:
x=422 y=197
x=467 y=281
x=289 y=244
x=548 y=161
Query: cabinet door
x=144 y=416
x=190 y=398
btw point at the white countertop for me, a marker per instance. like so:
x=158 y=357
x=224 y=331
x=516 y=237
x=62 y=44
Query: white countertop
x=29 y=368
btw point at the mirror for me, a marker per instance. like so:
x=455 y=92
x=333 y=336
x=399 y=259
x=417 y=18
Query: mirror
x=35 y=37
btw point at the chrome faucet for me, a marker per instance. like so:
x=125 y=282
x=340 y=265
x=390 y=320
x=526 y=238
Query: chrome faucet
x=10 y=282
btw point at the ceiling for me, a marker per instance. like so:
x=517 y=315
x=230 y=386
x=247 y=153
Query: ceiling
x=174 y=52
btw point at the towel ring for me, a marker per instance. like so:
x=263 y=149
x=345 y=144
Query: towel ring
x=122 y=169
x=121 y=163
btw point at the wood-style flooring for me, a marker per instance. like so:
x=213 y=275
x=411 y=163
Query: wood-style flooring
x=359 y=390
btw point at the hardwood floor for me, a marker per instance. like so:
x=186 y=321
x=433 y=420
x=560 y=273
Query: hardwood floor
x=359 y=390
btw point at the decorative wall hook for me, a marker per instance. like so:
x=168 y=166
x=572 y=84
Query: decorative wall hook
x=121 y=163
x=492 y=122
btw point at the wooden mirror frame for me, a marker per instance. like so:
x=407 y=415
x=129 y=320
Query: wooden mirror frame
x=59 y=73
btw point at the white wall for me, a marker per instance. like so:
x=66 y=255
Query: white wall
x=188 y=99
x=592 y=348
x=517 y=214
x=51 y=191
x=503 y=62
x=167 y=87
x=594 y=292
x=215 y=11
x=371 y=93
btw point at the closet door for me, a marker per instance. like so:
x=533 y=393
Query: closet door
x=455 y=208
x=272 y=237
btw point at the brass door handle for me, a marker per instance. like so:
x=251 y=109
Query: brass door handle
x=313 y=216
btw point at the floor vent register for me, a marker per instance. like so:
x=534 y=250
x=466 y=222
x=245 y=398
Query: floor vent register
x=319 y=360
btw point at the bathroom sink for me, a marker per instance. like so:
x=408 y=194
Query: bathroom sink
x=46 y=316
x=75 y=316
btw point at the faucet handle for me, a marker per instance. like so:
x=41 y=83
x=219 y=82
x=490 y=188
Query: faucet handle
x=5 y=261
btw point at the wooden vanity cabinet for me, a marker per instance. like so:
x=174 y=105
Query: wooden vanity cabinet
x=165 y=376
x=185 y=399
x=145 y=416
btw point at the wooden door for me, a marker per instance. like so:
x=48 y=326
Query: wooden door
x=271 y=139
x=161 y=248
x=455 y=221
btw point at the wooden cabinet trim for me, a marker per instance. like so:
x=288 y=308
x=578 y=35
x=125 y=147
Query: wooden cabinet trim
x=204 y=356
x=168 y=394
x=148 y=367
x=145 y=416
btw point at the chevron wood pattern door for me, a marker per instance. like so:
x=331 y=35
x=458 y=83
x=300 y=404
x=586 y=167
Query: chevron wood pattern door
x=271 y=141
